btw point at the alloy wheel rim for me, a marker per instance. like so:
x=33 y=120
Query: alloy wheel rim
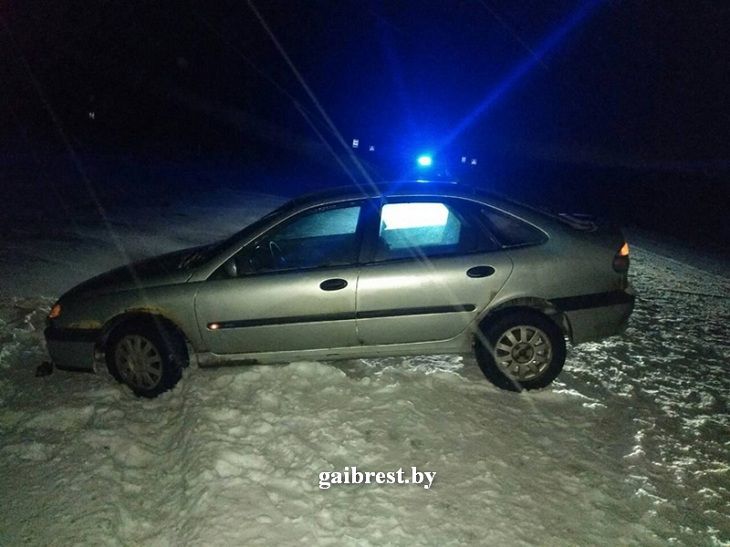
x=523 y=352
x=138 y=362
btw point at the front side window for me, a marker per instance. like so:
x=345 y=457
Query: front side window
x=327 y=223
x=319 y=238
x=428 y=228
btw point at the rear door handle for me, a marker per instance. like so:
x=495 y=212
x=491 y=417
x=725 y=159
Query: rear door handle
x=334 y=284
x=480 y=271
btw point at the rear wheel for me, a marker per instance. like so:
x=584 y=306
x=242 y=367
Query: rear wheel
x=521 y=350
x=148 y=357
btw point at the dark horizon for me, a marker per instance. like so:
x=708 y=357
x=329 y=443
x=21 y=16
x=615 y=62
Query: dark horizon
x=594 y=102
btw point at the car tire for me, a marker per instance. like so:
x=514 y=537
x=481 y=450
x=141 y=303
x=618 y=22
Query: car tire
x=147 y=356
x=522 y=349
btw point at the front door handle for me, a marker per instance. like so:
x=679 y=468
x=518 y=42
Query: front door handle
x=480 y=271
x=333 y=284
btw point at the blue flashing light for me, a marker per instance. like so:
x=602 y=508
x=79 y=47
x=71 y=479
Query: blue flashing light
x=425 y=161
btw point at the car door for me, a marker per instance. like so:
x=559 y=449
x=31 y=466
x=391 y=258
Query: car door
x=291 y=289
x=432 y=268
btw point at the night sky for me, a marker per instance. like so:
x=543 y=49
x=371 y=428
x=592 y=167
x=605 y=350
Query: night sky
x=636 y=88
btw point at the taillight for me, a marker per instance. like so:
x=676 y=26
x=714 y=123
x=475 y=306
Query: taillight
x=621 y=260
x=55 y=311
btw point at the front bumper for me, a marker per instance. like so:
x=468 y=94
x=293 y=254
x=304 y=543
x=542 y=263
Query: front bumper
x=72 y=349
x=597 y=316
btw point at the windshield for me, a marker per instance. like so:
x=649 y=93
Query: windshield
x=201 y=255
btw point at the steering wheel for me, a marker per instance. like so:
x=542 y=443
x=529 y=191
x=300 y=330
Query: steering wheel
x=276 y=253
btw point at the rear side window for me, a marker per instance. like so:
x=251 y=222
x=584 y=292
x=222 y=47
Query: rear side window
x=418 y=224
x=429 y=228
x=512 y=232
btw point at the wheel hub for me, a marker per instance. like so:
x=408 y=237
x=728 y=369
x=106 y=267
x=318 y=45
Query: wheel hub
x=138 y=361
x=523 y=352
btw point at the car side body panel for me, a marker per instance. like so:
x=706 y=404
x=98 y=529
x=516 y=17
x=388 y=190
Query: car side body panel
x=422 y=300
x=461 y=344
x=282 y=311
x=87 y=320
x=573 y=274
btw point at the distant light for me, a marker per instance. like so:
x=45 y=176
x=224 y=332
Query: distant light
x=371 y=148
x=463 y=159
x=355 y=143
x=473 y=161
x=214 y=326
x=425 y=161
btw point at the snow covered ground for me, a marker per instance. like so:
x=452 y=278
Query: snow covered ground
x=630 y=446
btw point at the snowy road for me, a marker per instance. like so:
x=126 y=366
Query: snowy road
x=630 y=446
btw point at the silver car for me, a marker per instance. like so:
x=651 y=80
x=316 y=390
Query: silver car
x=399 y=269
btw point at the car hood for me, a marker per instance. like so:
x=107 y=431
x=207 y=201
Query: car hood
x=152 y=272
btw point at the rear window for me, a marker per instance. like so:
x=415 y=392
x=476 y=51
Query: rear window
x=510 y=231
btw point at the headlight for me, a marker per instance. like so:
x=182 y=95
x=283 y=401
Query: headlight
x=55 y=311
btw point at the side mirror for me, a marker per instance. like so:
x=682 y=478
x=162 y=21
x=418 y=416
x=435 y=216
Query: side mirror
x=230 y=267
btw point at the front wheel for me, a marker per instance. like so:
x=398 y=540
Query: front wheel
x=521 y=350
x=148 y=359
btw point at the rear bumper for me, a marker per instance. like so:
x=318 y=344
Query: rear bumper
x=72 y=349
x=595 y=316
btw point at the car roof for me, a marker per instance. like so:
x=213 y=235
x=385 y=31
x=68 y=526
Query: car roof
x=413 y=188
x=426 y=188
x=391 y=189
